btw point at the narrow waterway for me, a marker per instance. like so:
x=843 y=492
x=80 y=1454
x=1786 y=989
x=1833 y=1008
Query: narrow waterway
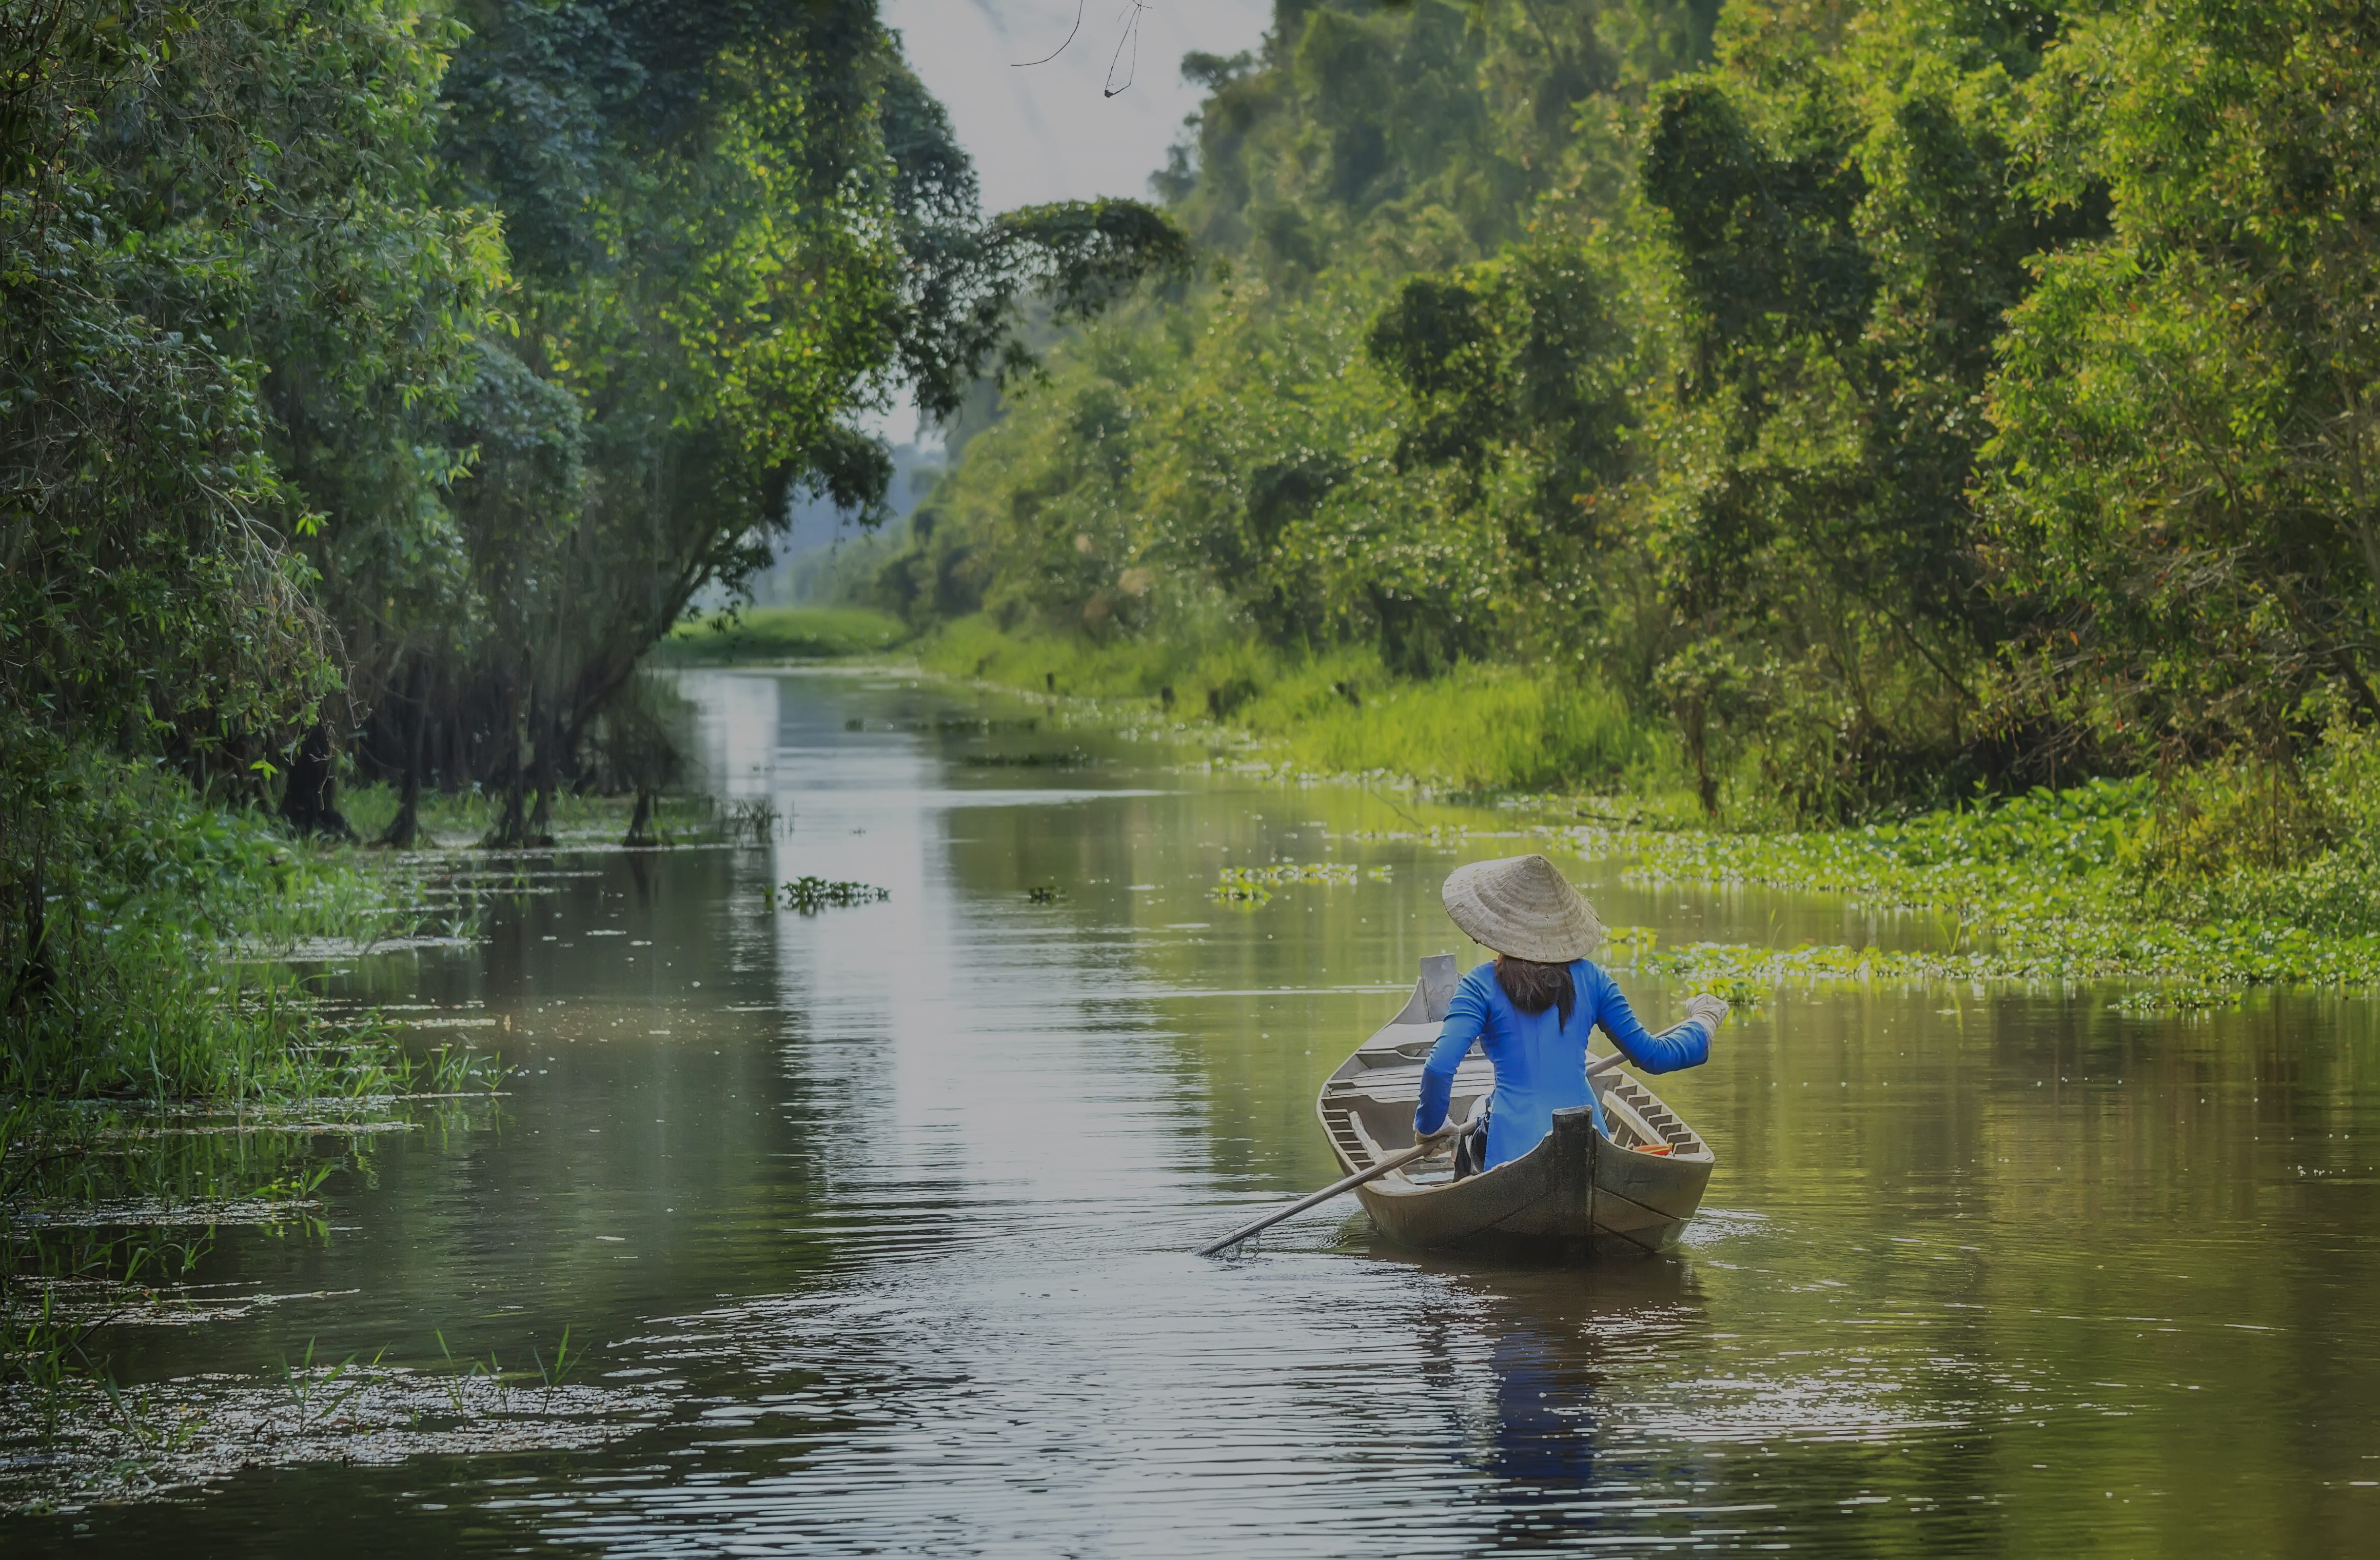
x=870 y=1227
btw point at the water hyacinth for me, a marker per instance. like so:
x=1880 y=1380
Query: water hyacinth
x=811 y=895
x=2054 y=886
x=1291 y=872
x=1251 y=885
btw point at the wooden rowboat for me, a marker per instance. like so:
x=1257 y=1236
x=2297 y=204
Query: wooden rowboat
x=1576 y=1189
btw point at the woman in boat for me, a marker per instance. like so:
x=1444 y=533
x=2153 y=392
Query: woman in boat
x=1532 y=1010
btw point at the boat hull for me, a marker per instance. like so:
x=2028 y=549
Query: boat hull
x=1573 y=1188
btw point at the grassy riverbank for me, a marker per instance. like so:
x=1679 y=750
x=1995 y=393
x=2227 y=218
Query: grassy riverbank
x=2229 y=875
x=166 y=1070
x=155 y=974
x=163 y=975
x=1477 y=729
x=761 y=634
x=2220 y=882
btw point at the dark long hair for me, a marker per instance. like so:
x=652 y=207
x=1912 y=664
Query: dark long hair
x=1533 y=987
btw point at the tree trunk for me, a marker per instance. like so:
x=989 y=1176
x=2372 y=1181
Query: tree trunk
x=640 y=826
x=309 y=796
x=543 y=777
x=1694 y=719
x=511 y=832
x=406 y=827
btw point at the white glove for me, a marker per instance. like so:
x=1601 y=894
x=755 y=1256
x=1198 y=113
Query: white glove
x=1708 y=1009
x=1441 y=1141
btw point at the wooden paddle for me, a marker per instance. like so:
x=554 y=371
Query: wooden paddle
x=1394 y=1162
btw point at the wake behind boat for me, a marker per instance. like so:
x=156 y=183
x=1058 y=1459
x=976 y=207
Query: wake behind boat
x=1575 y=1190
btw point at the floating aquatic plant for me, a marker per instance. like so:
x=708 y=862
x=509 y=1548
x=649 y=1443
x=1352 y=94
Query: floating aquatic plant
x=1074 y=758
x=1289 y=872
x=2048 y=887
x=1252 y=886
x=811 y=895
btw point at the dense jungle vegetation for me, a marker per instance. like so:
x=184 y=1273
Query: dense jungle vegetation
x=379 y=380
x=1815 y=412
x=1932 y=440
x=1824 y=409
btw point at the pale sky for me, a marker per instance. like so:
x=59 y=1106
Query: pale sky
x=1048 y=132
x=1045 y=132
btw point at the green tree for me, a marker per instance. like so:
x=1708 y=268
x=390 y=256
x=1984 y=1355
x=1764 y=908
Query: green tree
x=202 y=226
x=736 y=229
x=1230 y=459
x=2186 y=409
x=1847 y=238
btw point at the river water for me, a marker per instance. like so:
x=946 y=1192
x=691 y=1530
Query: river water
x=870 y=1227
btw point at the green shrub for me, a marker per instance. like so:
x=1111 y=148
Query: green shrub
x=144 y=964
x=1477 y=729
x=2236 y=814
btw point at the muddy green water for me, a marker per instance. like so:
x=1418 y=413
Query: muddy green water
x=873 y=1224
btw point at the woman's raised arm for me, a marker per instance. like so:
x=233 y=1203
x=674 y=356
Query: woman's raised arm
x=1686 y=1045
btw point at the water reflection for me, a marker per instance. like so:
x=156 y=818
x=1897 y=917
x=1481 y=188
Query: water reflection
x=1557 y=1460
x=882 y=1214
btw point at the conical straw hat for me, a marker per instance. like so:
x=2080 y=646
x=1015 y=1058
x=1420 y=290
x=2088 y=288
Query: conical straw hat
x=1520 y=906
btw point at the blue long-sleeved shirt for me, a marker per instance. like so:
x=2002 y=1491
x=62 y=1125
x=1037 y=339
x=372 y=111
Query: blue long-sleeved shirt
x=1541 y=1061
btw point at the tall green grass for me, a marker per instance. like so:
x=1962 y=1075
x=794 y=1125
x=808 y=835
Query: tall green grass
x=1479 y=728
x=1079 y=667
x=153 y=972
x=777 y=634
